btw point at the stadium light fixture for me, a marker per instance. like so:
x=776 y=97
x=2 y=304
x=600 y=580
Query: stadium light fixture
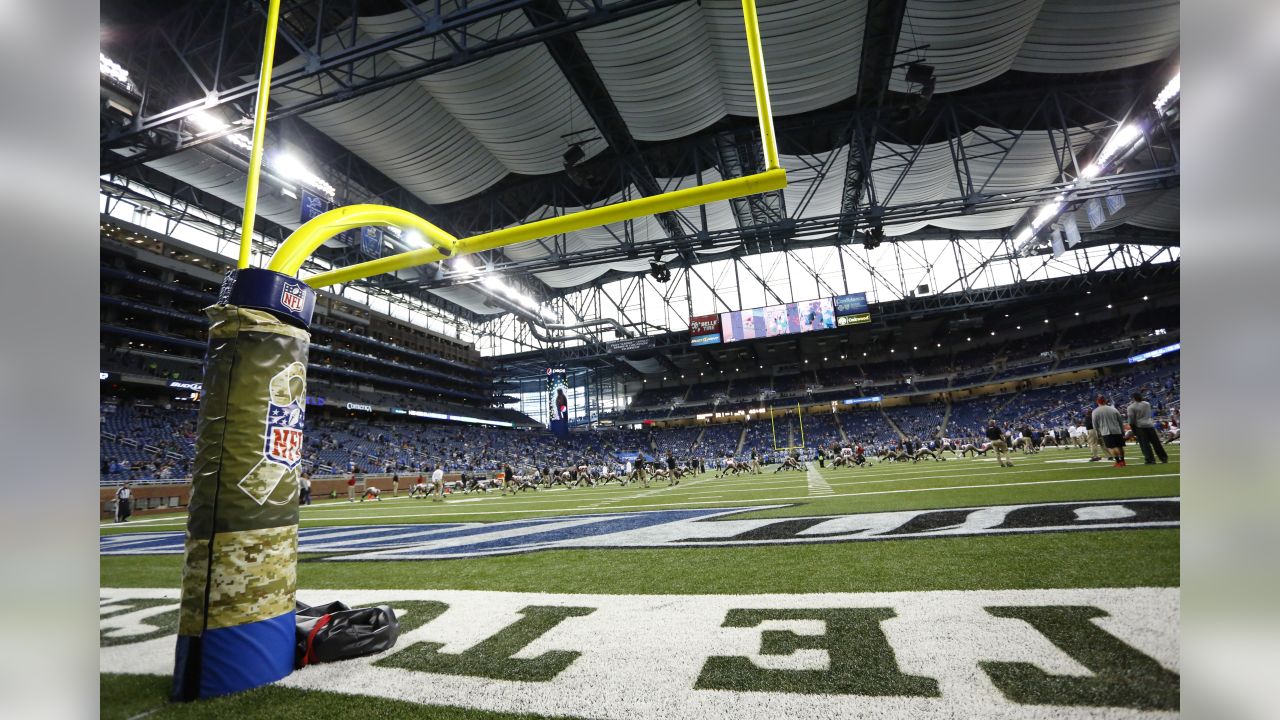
x=1170 y=91
x=207 y=121
x=1119 y=141
x=113 y=70
x=292 y=168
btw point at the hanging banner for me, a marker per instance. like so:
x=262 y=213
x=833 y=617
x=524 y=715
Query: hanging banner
x=704 y=329
x=371 y=242
x=1115 y=201
x=1056 y=236
x=627 y=345
x=1071 y=229
x=557 y=396
x=313 y=205
x=1093 y=208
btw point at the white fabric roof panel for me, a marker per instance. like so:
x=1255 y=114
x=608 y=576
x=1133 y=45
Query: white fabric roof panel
x=970 y=41
x=517 y=104
x=198 y=169
x=812 y=52
x=407 y=135
x=973 y=41
x=1077 y=36
x=452 y=134
x=678 y=70
x=661 y=71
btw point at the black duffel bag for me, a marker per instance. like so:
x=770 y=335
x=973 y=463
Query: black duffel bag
x=333 y=631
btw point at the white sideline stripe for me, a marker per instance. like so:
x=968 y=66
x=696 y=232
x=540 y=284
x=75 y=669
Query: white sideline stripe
x=665 y=640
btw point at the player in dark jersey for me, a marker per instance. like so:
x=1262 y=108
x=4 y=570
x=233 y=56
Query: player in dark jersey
x=996 y=436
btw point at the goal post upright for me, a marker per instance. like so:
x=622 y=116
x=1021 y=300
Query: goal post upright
x=236 y=619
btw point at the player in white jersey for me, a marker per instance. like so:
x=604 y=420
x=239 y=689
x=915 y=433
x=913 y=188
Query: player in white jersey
x=437 y=483
x=371 y=493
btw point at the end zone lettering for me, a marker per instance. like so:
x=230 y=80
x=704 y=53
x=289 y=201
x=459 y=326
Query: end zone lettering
x=1067 y=653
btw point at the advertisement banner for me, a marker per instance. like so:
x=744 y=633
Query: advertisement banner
x=704 y=325
x=557 y=396
x=859 y=319
x=852 y=304
x=627 y=345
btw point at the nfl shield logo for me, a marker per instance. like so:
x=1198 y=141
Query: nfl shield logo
x=284 y=434
x=292 y=297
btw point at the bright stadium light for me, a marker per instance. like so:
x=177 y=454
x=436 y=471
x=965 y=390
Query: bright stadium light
x=1118 y=142
x=113 y=70
x=1048 y=212
x=207 y=121
x=292 y=168
x=1170 y=91
x=463 y=264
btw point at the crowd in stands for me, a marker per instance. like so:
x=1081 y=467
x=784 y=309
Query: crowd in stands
x=146 y=442
x=1074 y=348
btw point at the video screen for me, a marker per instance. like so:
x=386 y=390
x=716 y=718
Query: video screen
x=742 y=325
x=776 y=320
x=799 y=317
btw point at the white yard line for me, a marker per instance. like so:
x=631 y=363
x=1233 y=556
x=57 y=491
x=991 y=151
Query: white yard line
x=817 y=484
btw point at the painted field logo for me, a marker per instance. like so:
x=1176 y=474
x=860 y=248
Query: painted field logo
x=284 y=434
x=690 y=527
x=292 y=297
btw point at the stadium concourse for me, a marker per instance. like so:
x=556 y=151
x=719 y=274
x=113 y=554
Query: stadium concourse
x=581 y=410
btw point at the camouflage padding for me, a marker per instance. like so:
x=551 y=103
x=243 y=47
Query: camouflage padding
x=244 y=496
x=253 y=577
x=195 y=571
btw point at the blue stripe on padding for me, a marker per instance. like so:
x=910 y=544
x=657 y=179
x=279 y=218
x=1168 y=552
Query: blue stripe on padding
x=247 y=656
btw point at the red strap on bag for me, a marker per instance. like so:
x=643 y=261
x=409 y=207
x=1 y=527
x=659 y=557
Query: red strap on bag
x=307 y=657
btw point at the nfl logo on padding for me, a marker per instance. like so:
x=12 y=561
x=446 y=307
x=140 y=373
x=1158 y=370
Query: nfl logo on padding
x=291 y=297
x=284 y=434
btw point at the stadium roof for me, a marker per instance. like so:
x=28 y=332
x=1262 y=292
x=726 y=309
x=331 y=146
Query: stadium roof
x=464 y=113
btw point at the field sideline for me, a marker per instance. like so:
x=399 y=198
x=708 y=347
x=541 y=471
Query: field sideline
x=1097 y=567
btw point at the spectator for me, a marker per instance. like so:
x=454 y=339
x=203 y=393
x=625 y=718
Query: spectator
x=1110 y=426
x=1144 y=430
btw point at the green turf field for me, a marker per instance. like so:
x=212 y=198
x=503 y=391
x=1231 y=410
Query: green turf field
x=1112 y=570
